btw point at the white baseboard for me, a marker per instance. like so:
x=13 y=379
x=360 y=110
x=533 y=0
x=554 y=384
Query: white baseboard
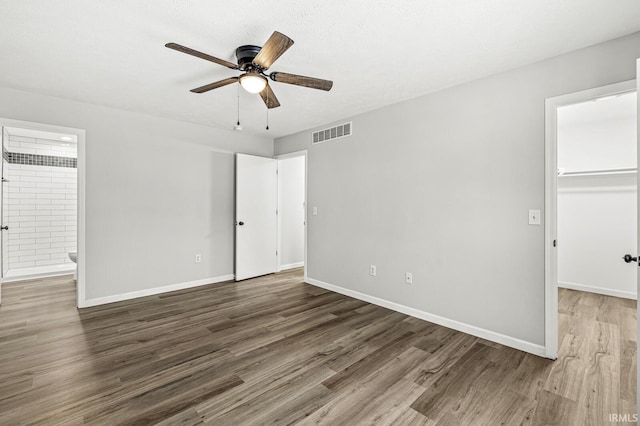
x=152 y=291
x=512 y=342
x=599 y=290
x=290 y=266
x=9 y=279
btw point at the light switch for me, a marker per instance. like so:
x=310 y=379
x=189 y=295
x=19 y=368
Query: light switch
x=534 y=217
x=315 y=211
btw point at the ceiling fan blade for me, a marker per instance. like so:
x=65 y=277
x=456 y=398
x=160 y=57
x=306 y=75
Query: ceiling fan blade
x=300 y=80
x=269 y=97
x=215 y=85
x=277 y=44
x=197 y=54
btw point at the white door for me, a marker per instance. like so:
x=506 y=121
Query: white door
x=638 y=230
x=256 y=216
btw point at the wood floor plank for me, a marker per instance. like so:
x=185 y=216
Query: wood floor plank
x=445 y=392
x=189 y=417
x=261 y=408
x=372 y=362
x=567 y=374
x=628 y=371
x=601 y=396
x=444 y=358
x=374 y=394
x=255 y=390
x=529 y=378
x=408 y=417
x=150 y=407
x=298 y=408
x=553 y=409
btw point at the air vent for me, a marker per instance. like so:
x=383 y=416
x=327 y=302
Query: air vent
x=337 y=132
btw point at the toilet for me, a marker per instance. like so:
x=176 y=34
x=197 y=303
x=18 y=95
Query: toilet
x=73 y=255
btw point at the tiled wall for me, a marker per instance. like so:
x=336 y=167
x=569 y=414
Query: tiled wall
x=41 y=209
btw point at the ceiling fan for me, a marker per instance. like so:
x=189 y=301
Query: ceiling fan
x=254 y=61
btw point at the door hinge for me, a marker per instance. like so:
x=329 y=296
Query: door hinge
x=276 y=252
x=276 y=211
x=555 y=243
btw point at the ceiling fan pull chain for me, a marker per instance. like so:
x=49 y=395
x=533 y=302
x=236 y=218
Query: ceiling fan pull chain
x=238 y=123
x=267 y=109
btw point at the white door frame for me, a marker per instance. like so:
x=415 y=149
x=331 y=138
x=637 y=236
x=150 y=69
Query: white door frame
x=638 y=230
x=81 y=134
x=551 y=197
x=302 y=153
x=3 y=190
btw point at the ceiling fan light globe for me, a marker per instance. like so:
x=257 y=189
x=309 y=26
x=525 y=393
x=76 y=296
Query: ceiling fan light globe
x=253 y=83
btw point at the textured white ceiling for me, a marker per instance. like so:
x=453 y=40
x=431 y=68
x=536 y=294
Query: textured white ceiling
x=376 y=52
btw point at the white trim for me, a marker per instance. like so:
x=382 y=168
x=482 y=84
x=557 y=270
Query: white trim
x=302 y=153
x=80 y=261
x=550 y=204
x=2 y=237
x=638 y=231
x=81 y=135
x=550 y=233
x=436 y=319
x=575 y=190
x=294 y=154
x=154 y=291
x=306 y=211
x=40 y=272
x=290 y=266
x=598 y=290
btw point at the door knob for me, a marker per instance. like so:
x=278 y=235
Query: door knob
x=628 y=258
x=4 y=228
x=240 y=223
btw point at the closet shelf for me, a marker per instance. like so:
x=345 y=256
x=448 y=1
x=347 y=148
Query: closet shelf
x=620 y=171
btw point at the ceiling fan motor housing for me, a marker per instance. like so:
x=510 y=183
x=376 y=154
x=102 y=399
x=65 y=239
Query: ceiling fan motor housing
x=245 y=55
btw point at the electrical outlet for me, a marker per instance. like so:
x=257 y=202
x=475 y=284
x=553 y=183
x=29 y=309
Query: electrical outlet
x=198 y=258
x=408 y=278
x=372 y=270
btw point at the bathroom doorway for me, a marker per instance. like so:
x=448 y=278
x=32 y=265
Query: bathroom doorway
x=40 y=201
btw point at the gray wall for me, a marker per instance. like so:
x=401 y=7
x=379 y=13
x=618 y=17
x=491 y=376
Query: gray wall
x=157 y=192
x=440 y=186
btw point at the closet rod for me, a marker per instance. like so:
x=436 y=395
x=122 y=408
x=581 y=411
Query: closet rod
x=598 y=172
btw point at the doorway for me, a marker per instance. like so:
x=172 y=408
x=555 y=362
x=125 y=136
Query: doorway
x=596 y=198
x=42 y=202
x=39 y=204
x=271 y=214
x=291 y=211
x=589 y=177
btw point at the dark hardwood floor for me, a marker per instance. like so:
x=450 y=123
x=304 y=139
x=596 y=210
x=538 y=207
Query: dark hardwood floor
x=273 y=350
